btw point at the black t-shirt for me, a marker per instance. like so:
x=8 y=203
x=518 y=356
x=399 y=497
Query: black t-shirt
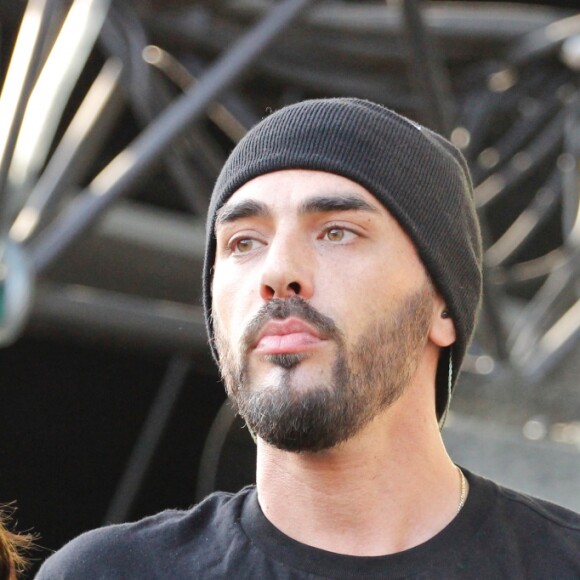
x=498 y=534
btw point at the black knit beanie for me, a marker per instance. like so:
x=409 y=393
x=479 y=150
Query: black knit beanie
x=419 y=176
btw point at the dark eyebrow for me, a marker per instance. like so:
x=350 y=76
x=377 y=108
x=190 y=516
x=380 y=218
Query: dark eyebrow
x=318 y=204
x=322 y=204
x=244 y=209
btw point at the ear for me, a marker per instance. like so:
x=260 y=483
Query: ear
x=442 y=332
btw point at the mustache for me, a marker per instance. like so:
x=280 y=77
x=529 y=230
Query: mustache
x=281 y=308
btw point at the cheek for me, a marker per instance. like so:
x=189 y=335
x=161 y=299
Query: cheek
x=365 y=290
x=222 y=299
x=231 y=303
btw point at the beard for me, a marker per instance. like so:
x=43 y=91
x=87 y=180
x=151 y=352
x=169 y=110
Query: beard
x=366 y=378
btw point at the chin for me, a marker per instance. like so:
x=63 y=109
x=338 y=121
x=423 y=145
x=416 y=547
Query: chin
x=286 y=361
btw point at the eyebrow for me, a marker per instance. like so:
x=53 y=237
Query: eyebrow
x=318 y=204
x=322 y=204
x=237 y=211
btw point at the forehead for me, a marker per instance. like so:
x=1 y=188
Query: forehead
x=291 y=194
x=288 y=189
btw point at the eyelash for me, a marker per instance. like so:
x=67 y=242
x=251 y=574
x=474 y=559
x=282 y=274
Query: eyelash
x=340 y=227
x=231 y=247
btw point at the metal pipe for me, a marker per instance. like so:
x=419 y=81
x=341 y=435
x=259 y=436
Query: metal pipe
x=212 y=451
x=103 y=316
x=427 y=70
x=83 y=137
x=148 y=440
x=52 y=89
x=17 y=87
x=140 y=157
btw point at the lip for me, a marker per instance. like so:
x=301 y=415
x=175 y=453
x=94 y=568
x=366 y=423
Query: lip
x=291 y=335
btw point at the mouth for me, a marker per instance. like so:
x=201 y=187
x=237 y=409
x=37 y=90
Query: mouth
x=288 y=336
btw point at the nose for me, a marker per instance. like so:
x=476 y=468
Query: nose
x=287 y=269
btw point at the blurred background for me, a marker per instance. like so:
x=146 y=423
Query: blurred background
x=115 y=118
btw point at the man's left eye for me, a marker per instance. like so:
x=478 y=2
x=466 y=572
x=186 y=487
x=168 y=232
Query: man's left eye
x=337 y=234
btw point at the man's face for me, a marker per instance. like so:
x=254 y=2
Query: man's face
x=321 y=307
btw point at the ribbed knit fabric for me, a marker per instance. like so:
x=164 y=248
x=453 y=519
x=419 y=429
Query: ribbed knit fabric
x=420 y=177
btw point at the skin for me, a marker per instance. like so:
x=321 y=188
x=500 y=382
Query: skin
x=352 y=265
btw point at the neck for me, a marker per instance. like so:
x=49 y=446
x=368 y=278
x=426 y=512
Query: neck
x=387 y=489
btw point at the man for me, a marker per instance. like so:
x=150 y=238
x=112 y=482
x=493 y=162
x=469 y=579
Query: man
x=341 y=286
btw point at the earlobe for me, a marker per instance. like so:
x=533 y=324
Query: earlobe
x=442 y=332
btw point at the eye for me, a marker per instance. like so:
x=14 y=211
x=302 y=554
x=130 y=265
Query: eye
x=245 y=245
x=338 y=234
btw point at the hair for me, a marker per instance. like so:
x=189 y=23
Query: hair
x=13 y=547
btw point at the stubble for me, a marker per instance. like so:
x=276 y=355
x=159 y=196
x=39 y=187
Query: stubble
x=366 y=378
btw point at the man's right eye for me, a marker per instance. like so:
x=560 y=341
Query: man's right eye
x=245 y=245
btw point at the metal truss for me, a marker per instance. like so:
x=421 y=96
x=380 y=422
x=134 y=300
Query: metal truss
x=107 y=100
x=116 y=117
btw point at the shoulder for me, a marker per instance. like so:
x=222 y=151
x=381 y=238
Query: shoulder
x=539 y=513
x=526 y=523
x=136 y=549
x=532 y=509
